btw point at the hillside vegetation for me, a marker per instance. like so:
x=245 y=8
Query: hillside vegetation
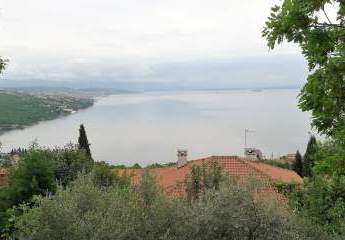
x=18 y=110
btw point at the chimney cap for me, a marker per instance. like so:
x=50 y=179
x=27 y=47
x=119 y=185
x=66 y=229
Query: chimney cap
x=182 y=150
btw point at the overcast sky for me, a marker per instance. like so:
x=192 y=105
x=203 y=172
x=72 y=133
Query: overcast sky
x=129 y=36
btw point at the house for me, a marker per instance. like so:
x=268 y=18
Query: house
x=3 y=177
x=172 y=179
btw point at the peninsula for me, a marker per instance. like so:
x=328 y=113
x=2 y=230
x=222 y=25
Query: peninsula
x=19 y=109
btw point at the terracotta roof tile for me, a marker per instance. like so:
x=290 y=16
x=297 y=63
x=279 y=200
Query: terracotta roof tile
x=172 y=179
x=276 y=173
x=3 y=177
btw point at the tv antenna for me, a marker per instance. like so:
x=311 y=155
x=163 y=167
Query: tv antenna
x=246 y=131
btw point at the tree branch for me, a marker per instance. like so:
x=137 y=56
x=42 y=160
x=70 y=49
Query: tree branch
x=327 y=25
x=329 y=21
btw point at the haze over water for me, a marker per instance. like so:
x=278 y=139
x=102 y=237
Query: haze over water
x=149 y=127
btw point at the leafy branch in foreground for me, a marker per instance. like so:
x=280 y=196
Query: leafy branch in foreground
x=322 y=41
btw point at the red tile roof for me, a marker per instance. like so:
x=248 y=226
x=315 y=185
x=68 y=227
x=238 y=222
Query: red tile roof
x=3 y=177
x=172 y=179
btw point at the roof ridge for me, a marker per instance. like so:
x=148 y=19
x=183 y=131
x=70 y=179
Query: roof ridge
x=199 y=159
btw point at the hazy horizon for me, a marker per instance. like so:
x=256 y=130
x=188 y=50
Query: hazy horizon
x=144 y=45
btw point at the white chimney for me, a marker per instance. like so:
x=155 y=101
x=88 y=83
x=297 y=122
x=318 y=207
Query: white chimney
x=182 y=157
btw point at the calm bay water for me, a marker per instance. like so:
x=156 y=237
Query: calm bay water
x=149 y=127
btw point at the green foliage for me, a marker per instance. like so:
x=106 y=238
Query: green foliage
x=3 y=64
x=203 y=178
x=155 y=165
x=161 y=165
x=235 y=213
x=103 y=175
x=322 y=197
x=276 y=163
x=83 y=142
x=70 y=161
x=148 y=188
x=14 y=214
x=194 y=183
x=321 y=200
x=322 y=43
x=309 y=157
x=5 y=161
x=19 y=110
x=214 y=176
x=37 y=173
x=330 y=158
x=84 y=211
x=121 y=166
x=34 y=175
x=298 y=164
x=285 y=188
x=136 y=166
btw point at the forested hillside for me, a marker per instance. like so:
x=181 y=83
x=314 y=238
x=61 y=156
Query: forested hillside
x=18 y=110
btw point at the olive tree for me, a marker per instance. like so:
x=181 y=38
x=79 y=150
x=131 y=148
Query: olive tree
x=85 y=211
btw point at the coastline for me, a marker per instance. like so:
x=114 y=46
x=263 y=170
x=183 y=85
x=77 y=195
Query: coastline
x=9 y=128
x=24 y=110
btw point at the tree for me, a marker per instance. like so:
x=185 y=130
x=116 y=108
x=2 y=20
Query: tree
x=148 y=188
x=322 y=201
x=103 y=175
x=201 y=179
x=37 y=173
x=70 y=161
x=84 y=211
x=322 y=42
x=34 y=175
x=136 y=166
x=298 y=164
x=83 y=141
x=309 y=157
x=216 y=175
x=194 y=183
x=3 y=64
x=330 y=159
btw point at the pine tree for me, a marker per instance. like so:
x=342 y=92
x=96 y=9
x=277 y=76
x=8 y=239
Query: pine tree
x=298 y=164
x=83 y=142
x=308 y=162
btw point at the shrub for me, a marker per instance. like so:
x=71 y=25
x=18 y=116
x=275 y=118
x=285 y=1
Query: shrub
x=321 y=200
x=85 y=211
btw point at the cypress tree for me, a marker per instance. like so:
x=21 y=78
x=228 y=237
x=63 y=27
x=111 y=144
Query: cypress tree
x=83 y=142
x=308 y=162
x=298 y=164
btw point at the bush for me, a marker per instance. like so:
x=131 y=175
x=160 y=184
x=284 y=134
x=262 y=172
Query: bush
x=70 y=161
x=321 y=200
x=37 y=173
x=235 y=213
x=85 y=211
x=103 y=175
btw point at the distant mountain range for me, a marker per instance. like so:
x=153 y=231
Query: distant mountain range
x=245 y=73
